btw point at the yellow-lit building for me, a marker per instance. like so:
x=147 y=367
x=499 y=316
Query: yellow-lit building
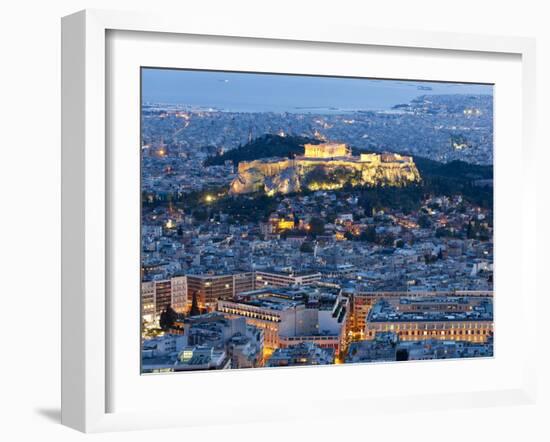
x=284 y=175
x=445 y=318
x=363 y=301
x=288 y=320
x=326 y=150
x=210 y=288
x=156 y=296
x=278 y=224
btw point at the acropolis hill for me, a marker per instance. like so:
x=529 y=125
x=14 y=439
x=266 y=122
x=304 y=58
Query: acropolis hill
x=325 y=166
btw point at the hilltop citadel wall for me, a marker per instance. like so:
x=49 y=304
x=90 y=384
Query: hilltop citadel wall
x=284 y=175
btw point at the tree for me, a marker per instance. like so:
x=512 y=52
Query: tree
x=424 y=221
x=441 y=232
x=316 y=175
x=369 y=235
x=200 y=214
x=388 y=240
x=368 y=207
x=167 y=318
x=429 y=258
x=195 y=310
x=402 y=354
x=350 y=236
x=267 y=145
x=470 y=231
x=306 y=247
x=316 y=226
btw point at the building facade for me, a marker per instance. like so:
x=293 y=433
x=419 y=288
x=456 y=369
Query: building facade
x=363 y=301
x=285 y=277
x=209 y=289
x=293 y=316
x=156 y=296
x=442 y=318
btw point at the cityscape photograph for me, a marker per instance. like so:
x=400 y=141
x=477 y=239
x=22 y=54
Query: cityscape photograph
x=297 y=220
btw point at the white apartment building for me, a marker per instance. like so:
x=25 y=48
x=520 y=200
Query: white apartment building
x=285 y=277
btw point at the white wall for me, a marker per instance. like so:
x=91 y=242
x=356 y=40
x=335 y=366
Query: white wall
x=30 y=182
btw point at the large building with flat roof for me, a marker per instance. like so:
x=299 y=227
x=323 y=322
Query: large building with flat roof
x=306 y=353
x=242 y=342
x=293 y=315
x=156 y=296
x=201 y=357
x=363 y=301
x=440 y=317
x=284 y=277
x=210 y=288
x=386 y=347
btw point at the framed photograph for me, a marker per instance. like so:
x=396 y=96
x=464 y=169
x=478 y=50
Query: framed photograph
x=320 y=215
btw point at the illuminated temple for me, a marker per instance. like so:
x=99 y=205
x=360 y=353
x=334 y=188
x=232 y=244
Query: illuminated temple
x=326 y=150
x=325 y=166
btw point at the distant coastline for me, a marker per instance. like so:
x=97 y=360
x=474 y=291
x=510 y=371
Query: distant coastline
x=253 y=92
x=314 y=110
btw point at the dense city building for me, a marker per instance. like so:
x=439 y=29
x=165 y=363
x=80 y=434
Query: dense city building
x=316 y=236
x=293 y=315
x=301 y=354
x=156 y=296
x=362 y=302
x=242 y=343
x=387 y=347
x=210 y=288
x=201 y=358
x=436 y=317
x=282 y=277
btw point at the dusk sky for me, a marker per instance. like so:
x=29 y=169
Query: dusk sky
x=279 y=93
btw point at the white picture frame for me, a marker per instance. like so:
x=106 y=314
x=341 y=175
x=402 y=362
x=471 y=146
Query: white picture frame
x=85 y=200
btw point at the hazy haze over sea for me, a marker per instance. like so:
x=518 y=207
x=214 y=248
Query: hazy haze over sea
x=251 y=92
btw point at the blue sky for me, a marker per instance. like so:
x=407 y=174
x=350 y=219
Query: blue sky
x=278 y=93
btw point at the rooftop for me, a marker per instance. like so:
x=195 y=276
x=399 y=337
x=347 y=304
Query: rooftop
x=288 y=271
x=432 y=309
x=288 y=297
x=306 y=353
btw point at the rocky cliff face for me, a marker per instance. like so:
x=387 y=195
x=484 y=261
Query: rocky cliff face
x=391 y=174
x=254 y=176
x=285 y=176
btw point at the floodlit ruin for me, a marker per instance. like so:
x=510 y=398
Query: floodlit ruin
x=327 y=166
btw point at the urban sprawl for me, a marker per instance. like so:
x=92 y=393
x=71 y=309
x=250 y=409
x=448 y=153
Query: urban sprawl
x=303 y=238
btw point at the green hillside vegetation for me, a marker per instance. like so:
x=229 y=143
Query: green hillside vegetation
x=265 y=146
x=289 y=146
x=453 y=178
